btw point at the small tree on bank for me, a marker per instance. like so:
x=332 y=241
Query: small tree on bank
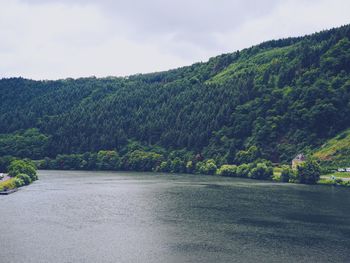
x=22 y=167
x=286 y=174
x=308 y=172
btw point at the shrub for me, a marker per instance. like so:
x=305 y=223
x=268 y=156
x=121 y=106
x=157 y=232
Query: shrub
x=177 y=166
x=243 y=170
x=8 y=184
x=18 y=182
x=142 y=161
x=189 y=167
x=207 y=167
x=164 y=167
x=308 y=172
x=261 y=171
x=286 y=174
x=107 y=160
x=227 y=170
x=22 y=167
x=248 y=156
x=25 y=178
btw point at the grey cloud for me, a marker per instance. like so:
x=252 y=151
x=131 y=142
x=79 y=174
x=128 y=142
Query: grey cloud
x=185 y=20
x=62 y=38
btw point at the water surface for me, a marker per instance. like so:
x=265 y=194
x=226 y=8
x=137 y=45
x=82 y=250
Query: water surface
x=77 y=216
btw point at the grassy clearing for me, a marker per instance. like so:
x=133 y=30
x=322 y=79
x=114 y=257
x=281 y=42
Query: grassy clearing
x=259 y=63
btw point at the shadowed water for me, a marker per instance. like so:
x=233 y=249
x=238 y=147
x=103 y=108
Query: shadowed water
x=140 y=217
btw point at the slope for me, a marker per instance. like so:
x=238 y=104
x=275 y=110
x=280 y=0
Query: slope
x=282 y=96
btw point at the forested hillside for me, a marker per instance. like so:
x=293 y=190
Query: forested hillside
x=281 y=97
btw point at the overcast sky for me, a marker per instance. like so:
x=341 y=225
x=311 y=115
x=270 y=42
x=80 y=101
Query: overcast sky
x=51 y=39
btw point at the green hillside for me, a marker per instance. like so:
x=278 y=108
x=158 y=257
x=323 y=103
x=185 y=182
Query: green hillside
x=280 y=97
x=336 y=151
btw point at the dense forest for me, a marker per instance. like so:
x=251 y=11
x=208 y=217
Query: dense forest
x=269 y=101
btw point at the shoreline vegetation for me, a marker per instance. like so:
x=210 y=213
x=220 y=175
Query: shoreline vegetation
x=249 y=165
x=21 y=173
x=242 y=114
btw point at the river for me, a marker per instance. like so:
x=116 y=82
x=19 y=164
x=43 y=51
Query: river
x=74 y=216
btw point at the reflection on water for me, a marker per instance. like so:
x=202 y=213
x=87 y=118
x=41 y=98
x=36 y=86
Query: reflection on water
x=138 y=217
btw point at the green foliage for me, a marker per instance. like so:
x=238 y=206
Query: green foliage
x=335 y=153
x=5 y=162
x=190 y=167
x=19 y=182
x=28 y=143
x=207 y=167
x=108 y=160
x=308 y=172
x=337 y=58
x=142 y=161
x=22 y=167
x=248 y=156
x=336 y=182
x=177 y=166
x=261 y=171
x=286 y=174
x=243 y=170
x=280 y=97
x=24 y=178
x=227 y=170
x=8 y=184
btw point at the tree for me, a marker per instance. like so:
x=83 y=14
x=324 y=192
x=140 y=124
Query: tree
x=243 y=170
x=25 y=178
x=248 y=156
x=108 y=160
x=261 y=171
x=22 y=167
x=227 y=170
x=286 y=174
x=207 y=167
x=308 y=172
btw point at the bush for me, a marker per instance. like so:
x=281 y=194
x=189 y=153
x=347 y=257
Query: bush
x=8 y=184
x=261 y=171
x=164 y=167
x=108 y=160
x=22 y=167
x=189 y=167
x=25 y=178
x=308 y=172
x=139 y=160
x=286 y=174
x=243 y=170
x=227 y=170
x=248 y=156
x=18 y=182
x=177 y=166
x=207 y=167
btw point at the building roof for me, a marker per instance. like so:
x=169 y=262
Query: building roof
x=300 y=157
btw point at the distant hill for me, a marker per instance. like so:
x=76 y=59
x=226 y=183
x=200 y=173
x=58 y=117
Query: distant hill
x=282 y=96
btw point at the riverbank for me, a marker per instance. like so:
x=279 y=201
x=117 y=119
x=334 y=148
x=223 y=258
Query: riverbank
x=8 y=184
x=20 y=173
x=275 y=177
